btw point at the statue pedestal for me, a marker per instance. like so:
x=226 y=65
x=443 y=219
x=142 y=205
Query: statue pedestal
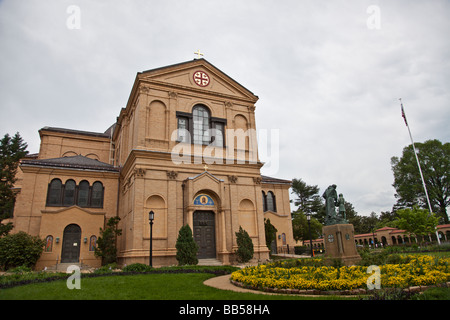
x=339 y=240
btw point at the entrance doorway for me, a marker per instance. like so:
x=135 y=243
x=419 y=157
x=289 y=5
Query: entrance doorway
x=71 y=244
x=205 y=234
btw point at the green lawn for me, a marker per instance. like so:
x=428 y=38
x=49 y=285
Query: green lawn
x=137 y=287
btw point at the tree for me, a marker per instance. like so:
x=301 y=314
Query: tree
x=270 y=232
x=106 y=243
x=367 y=224
x=20 y=249
x=187 y=248
x=300 y=228
x=434 y=158
x=245 y=246
x=386 y=219
x=308 y=198
x=417 y=221
x=12 y=149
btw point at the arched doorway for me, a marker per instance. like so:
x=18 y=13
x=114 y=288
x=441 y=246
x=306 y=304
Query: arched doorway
x=205 y=234
x=71 y=244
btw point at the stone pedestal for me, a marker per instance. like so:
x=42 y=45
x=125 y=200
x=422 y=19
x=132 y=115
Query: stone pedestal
x=339 y=240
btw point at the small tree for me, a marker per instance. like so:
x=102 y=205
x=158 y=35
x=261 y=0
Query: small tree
x=300 y=227
x=245 y=246
x=20 y=249
x=106 y=242
x=187 y=248
x=12 y=149
x=270 y=231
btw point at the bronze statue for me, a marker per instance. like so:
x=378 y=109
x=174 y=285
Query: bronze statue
x=341 y=203
x=331 y=202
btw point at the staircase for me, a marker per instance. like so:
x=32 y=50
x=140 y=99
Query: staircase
x=62 y=267
x=209 y=262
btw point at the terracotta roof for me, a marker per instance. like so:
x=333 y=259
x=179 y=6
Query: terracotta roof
x=386 y=228
x=73 y=162
x=398 y=231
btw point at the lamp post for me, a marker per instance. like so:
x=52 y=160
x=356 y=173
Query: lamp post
x=308 y=217
x=151 y=217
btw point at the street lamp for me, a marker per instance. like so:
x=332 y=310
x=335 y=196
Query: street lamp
x=151 y=217
x=308 y=217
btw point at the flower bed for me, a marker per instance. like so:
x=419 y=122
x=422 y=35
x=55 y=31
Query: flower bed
x=412 y=271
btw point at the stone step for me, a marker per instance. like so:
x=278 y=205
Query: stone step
x=62 y=267
x=209 y=262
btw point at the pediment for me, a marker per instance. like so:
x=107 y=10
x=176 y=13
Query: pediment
x=198 y=75
x=71 y=210
x=206 y=176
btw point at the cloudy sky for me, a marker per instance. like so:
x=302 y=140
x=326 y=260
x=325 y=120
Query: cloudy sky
x=328 y=74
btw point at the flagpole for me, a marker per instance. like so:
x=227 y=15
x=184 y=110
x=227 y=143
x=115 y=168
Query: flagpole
x=418 y=164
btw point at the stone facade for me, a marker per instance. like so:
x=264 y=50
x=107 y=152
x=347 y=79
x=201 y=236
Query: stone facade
x=144 y=163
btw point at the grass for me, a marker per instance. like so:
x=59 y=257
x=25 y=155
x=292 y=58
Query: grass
x=435 y=294
x=137 y=287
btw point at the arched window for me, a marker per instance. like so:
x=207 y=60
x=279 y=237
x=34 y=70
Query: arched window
x=69 y=193
x=97 y=195
x=92 y=243
x=270 y=202
x=264 y=198
x=49 y=244
x=201 y=125
x=83 y=194
x=54 y=193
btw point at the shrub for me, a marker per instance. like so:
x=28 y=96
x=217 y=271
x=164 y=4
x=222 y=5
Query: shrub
x=20 y=249
x=187 y=248
x=109 y=268
x=137 y=267
x=245 y=246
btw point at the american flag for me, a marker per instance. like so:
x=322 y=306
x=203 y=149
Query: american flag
x=403 y=113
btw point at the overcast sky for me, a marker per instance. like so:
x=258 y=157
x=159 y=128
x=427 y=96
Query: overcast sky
x=328 y=74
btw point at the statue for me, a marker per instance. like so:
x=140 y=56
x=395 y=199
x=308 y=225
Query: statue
x=339 y=235
x=341 y=204
x=331 y=201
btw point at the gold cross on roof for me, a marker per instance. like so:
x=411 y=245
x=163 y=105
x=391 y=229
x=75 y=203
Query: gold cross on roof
x=198 y=53
x=205 y=167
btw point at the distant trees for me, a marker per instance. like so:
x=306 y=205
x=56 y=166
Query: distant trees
x=416 y=221
x=434 y=158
